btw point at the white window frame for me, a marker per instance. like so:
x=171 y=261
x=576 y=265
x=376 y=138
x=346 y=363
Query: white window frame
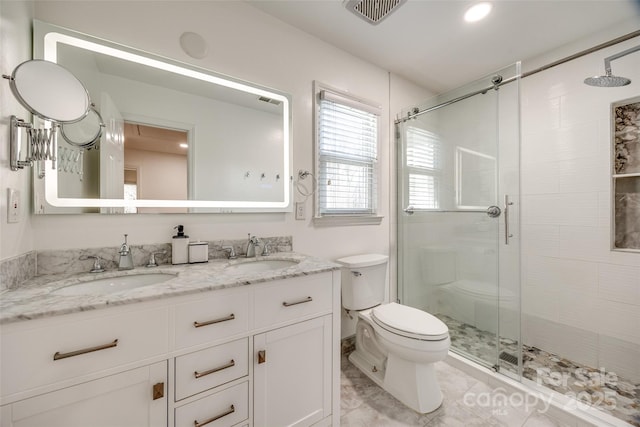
x=323 y=91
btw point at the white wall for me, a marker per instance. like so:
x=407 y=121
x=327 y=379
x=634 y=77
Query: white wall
x=580 y=299
x=160 y=175
x=15 y=47
x=248 y=44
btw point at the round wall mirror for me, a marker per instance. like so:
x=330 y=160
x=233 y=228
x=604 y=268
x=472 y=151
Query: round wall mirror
x=50 y=91
x=83 y=133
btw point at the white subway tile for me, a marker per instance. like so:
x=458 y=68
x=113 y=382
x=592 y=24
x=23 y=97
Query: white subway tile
x=578 y=344
x=561 y=209
x=542 y=303
x=604 y=209
x=588 y=174
x=539 y=146
x=620 y=320
x=619 y=357
x=540 y=178
x=578 y=310
x=565 y=275
x=619 y=283
x=540 y=239
x=584 y=243
x=578 y=141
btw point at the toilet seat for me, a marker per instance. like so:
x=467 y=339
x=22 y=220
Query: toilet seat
x=409 y=322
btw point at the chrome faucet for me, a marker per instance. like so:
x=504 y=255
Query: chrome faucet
x=152 y=259
x=126 y=258
x=97 y=266
x=251 y=246
x=231 y=252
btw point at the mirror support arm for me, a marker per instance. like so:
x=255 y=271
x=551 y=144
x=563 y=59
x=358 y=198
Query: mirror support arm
x=41 y=144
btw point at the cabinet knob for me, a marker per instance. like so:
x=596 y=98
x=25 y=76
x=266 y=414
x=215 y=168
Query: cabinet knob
x=262 y=356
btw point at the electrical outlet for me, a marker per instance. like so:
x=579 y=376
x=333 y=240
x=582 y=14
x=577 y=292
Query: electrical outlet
x=300 y=211
x=14 y=205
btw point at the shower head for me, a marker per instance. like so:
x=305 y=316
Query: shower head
x=609 y=80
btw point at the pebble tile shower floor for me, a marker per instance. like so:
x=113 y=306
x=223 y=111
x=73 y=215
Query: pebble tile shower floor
x=623 y=395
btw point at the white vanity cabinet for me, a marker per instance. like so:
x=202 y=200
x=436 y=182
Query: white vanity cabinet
x=263 y=355
x=103 y=368
x=123 y=399
x=292 y=375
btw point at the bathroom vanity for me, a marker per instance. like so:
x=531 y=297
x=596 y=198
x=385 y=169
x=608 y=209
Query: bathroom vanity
x=217 y=345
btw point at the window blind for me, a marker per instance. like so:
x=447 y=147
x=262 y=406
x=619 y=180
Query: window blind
x=423 y=164
x=347 y=157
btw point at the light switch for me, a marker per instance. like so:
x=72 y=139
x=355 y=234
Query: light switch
x=300 y=211
x=14 y=205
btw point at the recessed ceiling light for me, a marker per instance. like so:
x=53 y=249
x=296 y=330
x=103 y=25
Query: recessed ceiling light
x=477 y=12
x=183 y=145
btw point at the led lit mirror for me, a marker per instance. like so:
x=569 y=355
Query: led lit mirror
x=175 y=137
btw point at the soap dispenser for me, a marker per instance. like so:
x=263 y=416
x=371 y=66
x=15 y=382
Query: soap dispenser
x=180 y=247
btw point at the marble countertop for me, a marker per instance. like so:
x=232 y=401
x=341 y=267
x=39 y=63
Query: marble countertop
x=37 y=298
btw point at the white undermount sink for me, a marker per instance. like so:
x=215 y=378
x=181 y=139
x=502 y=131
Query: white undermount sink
x=260 y=265
x=110 y=285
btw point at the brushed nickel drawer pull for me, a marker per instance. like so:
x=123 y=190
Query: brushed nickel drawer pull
x=59 y=355
x=230 y=411
x=214 y=321
x=211 y=371
x=302 y=301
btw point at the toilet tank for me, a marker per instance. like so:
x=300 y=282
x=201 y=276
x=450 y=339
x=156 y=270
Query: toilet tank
x=364 y=279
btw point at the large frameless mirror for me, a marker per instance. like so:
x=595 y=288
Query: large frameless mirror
x=171 y=137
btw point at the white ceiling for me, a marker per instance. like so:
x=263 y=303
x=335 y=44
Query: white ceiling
x=428 y=42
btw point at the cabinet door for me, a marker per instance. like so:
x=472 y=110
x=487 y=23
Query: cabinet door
x=121 y=400
x=292 y=378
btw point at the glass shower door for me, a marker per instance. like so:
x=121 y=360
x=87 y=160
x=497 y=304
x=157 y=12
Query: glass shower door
x=457 y=193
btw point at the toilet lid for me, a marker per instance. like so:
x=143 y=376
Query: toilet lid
x=409 y=322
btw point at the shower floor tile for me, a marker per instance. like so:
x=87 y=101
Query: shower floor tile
x=614 y=395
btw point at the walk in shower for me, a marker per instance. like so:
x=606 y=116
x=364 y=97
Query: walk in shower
x=507 y=198
x=458 y=192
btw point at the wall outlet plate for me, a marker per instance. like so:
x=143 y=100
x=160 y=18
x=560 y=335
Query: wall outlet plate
x=300 y=211
x=14 y=205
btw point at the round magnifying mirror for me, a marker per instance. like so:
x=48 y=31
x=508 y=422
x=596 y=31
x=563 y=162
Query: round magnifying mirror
x=50 y=91
x=84 y=133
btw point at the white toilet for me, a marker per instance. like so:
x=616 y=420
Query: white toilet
x=396 y=345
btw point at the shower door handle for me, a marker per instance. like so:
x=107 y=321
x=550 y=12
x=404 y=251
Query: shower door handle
x=507 y=208
x=409 y=210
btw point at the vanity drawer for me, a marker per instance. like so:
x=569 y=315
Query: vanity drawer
x=79 y=344
x=211 y=318
x=290 y=299
x=206 y=369
x=225 y=408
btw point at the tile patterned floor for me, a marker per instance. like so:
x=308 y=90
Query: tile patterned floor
x=467 y=403
x=614 y=395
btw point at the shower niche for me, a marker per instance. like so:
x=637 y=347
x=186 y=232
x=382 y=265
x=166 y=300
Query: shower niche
x=626 y=174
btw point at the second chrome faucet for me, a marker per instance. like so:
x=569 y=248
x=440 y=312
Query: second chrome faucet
x=126 y=258
x=251 y=247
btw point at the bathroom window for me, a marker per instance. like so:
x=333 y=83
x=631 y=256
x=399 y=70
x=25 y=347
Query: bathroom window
x=346 y=156
x=423 y=166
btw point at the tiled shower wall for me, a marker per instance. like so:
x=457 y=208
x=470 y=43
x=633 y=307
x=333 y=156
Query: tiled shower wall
x=579 y=299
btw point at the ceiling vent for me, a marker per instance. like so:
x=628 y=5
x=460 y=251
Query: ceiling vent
x=373 y=11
